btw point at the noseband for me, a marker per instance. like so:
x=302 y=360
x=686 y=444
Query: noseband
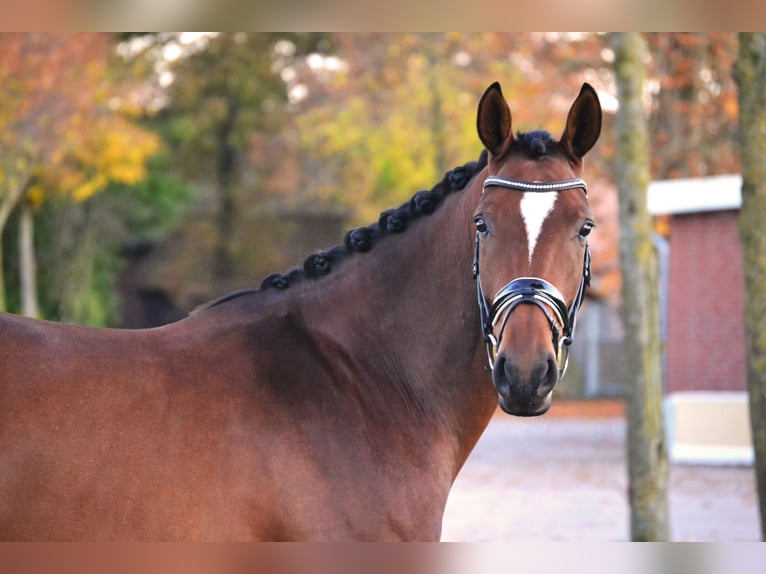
x=532 y=290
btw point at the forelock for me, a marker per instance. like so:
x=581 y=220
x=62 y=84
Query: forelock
x=536 y=143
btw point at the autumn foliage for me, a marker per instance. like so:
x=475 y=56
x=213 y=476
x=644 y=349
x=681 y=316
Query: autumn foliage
x=347 y=124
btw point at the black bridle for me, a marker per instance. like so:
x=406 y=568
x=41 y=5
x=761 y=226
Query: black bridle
x=532 y=290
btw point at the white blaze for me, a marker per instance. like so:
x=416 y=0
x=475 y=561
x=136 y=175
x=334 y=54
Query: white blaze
x=535 y=208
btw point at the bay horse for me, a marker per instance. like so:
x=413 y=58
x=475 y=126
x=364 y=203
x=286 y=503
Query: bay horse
x=335 y=402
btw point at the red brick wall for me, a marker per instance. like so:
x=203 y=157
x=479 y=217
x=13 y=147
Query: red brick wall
x=705 y=329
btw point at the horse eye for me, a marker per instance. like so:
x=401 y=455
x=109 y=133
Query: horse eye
x=586 y=228
x=481 y=225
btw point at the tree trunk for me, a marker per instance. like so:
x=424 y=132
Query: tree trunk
x=438 y=120
x=646 y=449
x=226 y=171
x=28 y=261
x=3 y=304
x=10 y=194
x=750 y=74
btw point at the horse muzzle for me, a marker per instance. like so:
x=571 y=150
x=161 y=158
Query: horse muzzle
x=525 y=390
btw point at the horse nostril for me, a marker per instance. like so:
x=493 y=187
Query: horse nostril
x=548 y=376
x=500 y=377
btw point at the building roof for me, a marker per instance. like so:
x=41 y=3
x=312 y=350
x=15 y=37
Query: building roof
x=692 y=195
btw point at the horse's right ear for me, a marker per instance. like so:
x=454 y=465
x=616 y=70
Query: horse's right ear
x=493 y=121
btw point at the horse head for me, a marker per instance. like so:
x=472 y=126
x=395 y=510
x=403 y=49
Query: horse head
x=532 y=262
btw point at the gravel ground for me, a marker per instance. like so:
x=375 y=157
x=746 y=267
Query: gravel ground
x=559 y=479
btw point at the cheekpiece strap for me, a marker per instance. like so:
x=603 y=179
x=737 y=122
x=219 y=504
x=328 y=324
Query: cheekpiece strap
x=518 y=185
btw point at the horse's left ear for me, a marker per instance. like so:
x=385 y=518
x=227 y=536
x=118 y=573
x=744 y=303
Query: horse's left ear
x=583 y=123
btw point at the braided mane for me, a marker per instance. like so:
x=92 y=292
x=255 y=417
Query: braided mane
x=363 y=239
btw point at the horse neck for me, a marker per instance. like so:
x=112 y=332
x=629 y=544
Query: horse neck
x=406 y=315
